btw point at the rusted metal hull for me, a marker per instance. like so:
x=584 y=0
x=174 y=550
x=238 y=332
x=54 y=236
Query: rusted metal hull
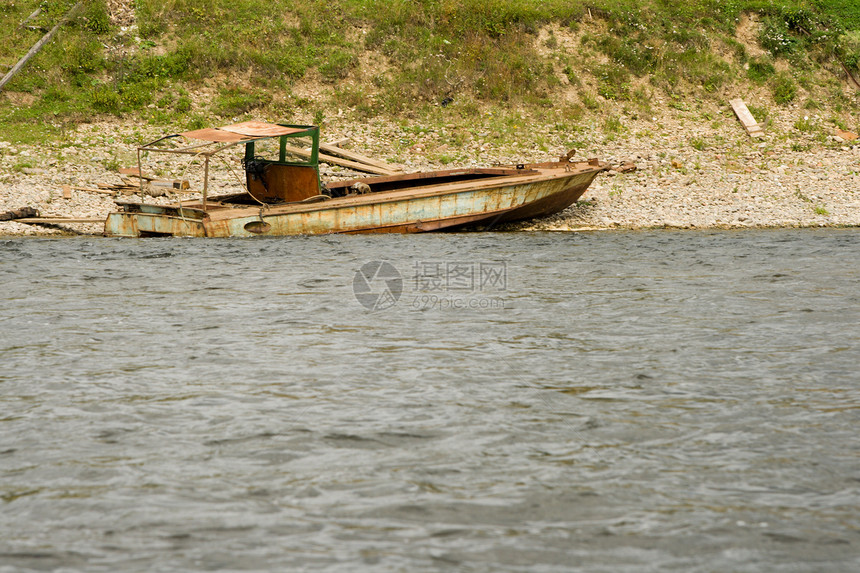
x=537 y=192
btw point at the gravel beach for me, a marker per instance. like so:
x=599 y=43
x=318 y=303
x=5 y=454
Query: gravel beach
x=690 y=172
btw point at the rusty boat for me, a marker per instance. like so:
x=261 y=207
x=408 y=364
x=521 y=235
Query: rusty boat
x=284 y=195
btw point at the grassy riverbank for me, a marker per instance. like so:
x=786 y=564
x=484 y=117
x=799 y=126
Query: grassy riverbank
x=191 y=63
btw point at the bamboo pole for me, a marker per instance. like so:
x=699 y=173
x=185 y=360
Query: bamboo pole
x=39 y=45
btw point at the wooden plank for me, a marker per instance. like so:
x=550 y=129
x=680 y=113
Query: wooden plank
x=134 y=172
x=342 y=162
x=746 y=118
x=57 y=220
x=67 y=189
x=21 y=213
x=338 y=142
x=334 y=148
x=174 y=183
x=353 y=156
x=169 y=183
x=165 y=188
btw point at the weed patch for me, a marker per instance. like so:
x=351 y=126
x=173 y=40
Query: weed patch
x=784 y=89
x=760 y=70
x=805 y=125
x=237 y=102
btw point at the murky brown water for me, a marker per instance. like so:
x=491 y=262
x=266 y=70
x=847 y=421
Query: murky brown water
x=517 y=402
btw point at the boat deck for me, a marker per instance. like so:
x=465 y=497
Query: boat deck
x=412 y=186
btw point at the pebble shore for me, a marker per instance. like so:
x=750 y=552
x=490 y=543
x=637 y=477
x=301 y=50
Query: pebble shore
x=689 y=174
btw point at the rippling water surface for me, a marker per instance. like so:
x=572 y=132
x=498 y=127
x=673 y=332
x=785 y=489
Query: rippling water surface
x=531 y=402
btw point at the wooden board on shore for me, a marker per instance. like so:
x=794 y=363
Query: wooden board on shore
x=746 y=118
x=57 y=220
x=67 y=191
x=16 y=214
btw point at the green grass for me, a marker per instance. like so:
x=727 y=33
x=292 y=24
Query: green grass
x=805 y=125
x=760 y=113
x=474 y=53
x=846 y=12
x=784 y=89
x=760 y=70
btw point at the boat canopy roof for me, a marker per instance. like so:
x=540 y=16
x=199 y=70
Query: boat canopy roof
x=245 y=132
x=217 y=139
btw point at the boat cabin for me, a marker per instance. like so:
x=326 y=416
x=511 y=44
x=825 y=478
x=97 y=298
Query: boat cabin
x=285 y=172
x=287 y=178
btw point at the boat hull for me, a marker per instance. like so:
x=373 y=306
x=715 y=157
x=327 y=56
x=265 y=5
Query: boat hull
x=437 y=207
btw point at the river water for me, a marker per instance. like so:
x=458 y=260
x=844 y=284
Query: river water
x=622 y=401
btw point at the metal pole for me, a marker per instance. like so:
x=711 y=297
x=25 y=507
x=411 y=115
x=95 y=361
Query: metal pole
x=140 y=173
x=205 y=182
